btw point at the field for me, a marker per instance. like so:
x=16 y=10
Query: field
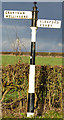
x=12 y=59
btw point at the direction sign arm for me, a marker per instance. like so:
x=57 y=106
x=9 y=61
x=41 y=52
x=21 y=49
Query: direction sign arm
x=13 y=14
x=48 y=23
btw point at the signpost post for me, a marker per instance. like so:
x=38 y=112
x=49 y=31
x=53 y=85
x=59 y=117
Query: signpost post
x=31 y=93
x=33 y=15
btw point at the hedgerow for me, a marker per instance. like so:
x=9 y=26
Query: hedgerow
x=54 y=54
x=48 y=88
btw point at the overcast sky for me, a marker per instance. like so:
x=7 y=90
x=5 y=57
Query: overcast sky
x=48 y=40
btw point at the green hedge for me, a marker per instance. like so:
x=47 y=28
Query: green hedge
x=48 y=85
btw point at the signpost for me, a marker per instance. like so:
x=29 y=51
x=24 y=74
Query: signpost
x=33 y=15
x=17 y=14
x=49 y=23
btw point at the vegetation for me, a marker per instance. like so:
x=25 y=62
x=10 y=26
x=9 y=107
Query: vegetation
x=48 y=91
x=48 y=85
x=37 y=53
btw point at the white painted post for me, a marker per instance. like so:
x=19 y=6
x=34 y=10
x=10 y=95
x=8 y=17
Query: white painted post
x=31 y=92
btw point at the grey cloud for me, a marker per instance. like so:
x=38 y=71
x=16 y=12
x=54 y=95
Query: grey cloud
x=61 y=45
x=49 y=46
x=6 y=45
x=13 y=27
x=25 y=44
x=10 y=31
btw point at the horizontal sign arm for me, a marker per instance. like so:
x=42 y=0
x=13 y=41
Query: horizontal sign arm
x=48 y=23
x=10 y=14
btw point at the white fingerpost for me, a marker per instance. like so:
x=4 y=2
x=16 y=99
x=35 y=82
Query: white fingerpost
x=31 y=92
x=33 y=15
